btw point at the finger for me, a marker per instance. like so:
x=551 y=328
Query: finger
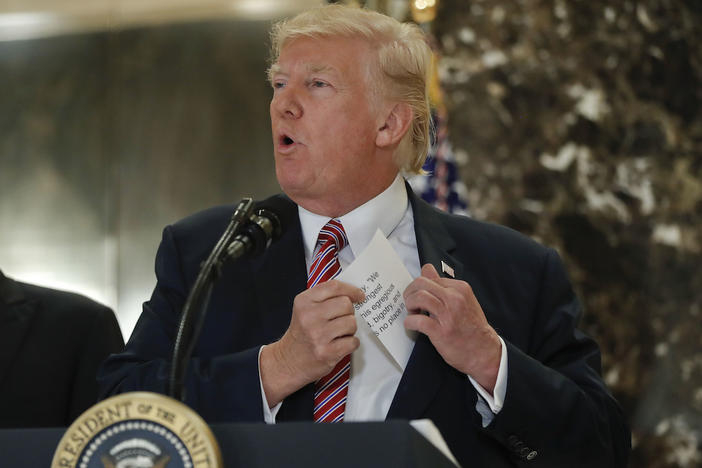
x=421 y=323
x=342 y=346
x=342 y=326
x=428 y=271
x=456 y=288
x=451 y=283
x=323 y=291
x=425 y=285
x=338 y=306
x=423 y=301
x=422 y=283
x=428 y=276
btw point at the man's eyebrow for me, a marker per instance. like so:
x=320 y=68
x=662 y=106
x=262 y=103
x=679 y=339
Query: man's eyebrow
x=313 y=68
x=310 y=68
x=275 y=68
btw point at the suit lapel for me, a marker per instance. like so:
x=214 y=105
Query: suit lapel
x=283 y=268
x=434 y=243
x=280 y=273
x=16 y=313
x=426 y=369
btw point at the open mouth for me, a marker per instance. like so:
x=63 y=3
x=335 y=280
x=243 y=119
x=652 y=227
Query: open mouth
x=286 y=140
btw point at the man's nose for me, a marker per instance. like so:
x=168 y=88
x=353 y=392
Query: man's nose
x=286 y=104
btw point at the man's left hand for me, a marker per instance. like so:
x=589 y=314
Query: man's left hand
x=447 y=311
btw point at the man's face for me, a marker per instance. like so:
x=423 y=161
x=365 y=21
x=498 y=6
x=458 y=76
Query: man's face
x=325 y=127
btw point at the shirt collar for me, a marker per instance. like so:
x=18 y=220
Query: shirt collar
x=383 y=212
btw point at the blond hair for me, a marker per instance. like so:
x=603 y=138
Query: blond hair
x=403 y=59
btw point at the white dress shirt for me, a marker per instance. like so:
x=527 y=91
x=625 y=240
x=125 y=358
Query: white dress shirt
x=374 y=374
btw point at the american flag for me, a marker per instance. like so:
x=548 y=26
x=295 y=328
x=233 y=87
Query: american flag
x=442 y=186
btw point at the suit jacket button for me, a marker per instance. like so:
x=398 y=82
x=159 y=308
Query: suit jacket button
x=532 y=455
x=524 y=452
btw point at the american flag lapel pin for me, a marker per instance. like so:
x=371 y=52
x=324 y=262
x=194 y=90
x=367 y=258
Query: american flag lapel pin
x=447 y=269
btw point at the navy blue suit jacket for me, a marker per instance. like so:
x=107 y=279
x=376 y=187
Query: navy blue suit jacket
x=557 y=408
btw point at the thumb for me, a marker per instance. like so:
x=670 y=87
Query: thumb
x=428 y=271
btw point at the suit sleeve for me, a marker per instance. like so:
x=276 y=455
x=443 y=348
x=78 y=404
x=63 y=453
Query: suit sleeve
x=557 y=410
x=101 y=338
x=222 y=388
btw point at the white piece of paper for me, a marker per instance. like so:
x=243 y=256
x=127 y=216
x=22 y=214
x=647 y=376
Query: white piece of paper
x=382 y=276
x=430 y=432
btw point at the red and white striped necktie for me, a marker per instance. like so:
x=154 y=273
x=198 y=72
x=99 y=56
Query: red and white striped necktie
x=331 y=390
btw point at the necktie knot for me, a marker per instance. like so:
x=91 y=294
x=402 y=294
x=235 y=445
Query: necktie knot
x=325 y=264
x=333 y=232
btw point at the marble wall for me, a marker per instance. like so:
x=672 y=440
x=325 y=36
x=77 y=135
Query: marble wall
x=579 y=123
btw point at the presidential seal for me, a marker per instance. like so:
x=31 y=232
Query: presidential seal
x=138 y=430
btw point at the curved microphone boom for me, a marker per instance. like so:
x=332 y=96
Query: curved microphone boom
x=252 y=233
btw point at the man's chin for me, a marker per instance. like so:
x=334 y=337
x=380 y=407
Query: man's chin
x=304 y=197
x=294 y=188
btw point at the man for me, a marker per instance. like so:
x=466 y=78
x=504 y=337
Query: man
x=497 y=365
x=51 y=343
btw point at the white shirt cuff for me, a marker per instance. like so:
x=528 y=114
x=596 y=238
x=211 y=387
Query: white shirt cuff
x=489 y=405
x=269 y=413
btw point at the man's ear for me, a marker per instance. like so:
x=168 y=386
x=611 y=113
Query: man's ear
x=396 y=124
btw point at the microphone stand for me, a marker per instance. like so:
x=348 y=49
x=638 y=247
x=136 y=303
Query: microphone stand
x=193 y=315
x=246 y=234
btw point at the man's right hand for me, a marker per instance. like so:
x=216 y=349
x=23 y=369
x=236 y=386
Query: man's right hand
x=321 y=332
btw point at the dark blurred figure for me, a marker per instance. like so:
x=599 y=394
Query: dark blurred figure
x=51 y=343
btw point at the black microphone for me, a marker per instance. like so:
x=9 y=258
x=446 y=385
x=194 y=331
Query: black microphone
x=252 y=233
x=263 y=228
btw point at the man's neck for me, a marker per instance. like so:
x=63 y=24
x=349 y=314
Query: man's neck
x=343 y=202
x=381 y=212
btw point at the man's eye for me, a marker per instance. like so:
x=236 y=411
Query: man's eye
x=278 y=84
x=318 y=84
